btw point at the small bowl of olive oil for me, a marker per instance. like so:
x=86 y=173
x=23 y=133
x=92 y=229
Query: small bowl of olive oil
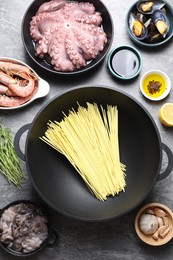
x=155 y=85
x=124 y=62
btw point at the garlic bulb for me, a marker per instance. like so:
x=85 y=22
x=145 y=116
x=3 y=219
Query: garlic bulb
x=148 y=224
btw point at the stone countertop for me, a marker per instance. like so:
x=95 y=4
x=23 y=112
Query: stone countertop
x=115 y=239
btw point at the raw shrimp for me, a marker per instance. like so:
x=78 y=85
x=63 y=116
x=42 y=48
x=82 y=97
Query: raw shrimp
x=23 y=88
x=6 y=101
x=12 y=101
x=6 y=79
x=18 y=84
x=14 y=68
x=4 y=90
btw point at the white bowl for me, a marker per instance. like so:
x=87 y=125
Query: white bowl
x=164 y=80
x=43 y=86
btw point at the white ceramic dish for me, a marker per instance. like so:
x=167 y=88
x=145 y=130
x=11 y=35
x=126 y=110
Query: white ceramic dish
x=43 y=86
x=148 y=76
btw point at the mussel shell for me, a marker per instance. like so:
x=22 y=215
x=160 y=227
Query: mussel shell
x=154 y=37
x=132 y=19
x=141 y=17
x=157 y=5
x=159 y=15
x=150 y=26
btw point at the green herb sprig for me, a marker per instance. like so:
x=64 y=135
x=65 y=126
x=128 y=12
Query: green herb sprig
x=9 y=160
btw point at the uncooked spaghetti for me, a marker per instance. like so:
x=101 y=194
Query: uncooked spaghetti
x=88 y=138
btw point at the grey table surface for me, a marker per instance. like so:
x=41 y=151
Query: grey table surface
x=115 y=239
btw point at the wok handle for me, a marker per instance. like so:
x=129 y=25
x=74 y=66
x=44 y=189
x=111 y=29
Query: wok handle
x=169 y=167
x=17 y=141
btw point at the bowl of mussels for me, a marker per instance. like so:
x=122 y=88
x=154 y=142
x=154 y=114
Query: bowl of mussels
x=150 y=23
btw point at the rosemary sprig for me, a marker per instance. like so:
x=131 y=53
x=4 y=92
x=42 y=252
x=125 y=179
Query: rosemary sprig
x=9 y=160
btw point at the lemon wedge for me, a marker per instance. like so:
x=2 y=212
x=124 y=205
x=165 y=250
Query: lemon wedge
x=166 y=114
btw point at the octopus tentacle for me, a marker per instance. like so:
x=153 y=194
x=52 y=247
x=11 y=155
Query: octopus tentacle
x=73 y=50
x=86 y=43
x=43 y=44
x=95 y=19
x=73 y=9
x=90 y=36
x=87 y=7
x=51 y=6
x=41 y=22
x=58 y=53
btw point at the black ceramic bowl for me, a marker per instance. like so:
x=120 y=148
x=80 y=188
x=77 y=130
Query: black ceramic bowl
x=50 y=240
x=107 y=26
x=169 y=13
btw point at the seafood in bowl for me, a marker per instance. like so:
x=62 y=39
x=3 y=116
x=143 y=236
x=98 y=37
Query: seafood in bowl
x=19 y=84
x=161 y=22
x=74 y=42
x=137 y=27
x=150 y=23
x=25 y=228
x=147 y=7
x=67 y=34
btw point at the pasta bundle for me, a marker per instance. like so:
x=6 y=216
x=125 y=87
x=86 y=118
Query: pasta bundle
x=88 y=138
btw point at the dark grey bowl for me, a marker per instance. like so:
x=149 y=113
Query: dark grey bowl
x=123 y=63
x=50 y=241
x=107 y=26
x=169 y=11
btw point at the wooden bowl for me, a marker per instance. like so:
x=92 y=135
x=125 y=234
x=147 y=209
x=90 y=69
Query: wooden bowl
x=148 y=239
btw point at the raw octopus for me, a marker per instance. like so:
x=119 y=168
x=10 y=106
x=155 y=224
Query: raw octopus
x=67 y=34
x=18 y=84
x=23 y=227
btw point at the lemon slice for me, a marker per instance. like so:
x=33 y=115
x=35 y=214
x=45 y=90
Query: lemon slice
x=166 y=114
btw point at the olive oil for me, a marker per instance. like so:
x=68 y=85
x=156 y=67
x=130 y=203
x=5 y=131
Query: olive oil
x=157 y=79
x=125 y=63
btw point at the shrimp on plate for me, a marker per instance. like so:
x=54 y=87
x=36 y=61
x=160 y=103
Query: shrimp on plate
x=18 y=84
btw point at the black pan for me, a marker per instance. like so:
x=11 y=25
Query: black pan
x=61 y=187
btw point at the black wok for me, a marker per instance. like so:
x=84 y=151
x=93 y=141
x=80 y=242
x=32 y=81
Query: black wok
x=61 y=187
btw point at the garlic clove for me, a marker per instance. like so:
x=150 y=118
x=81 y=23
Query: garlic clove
x=150 y=211
x=160 y=221
x=165 y=221
x=159 y=212
x=155 y=236
x=163 y=231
